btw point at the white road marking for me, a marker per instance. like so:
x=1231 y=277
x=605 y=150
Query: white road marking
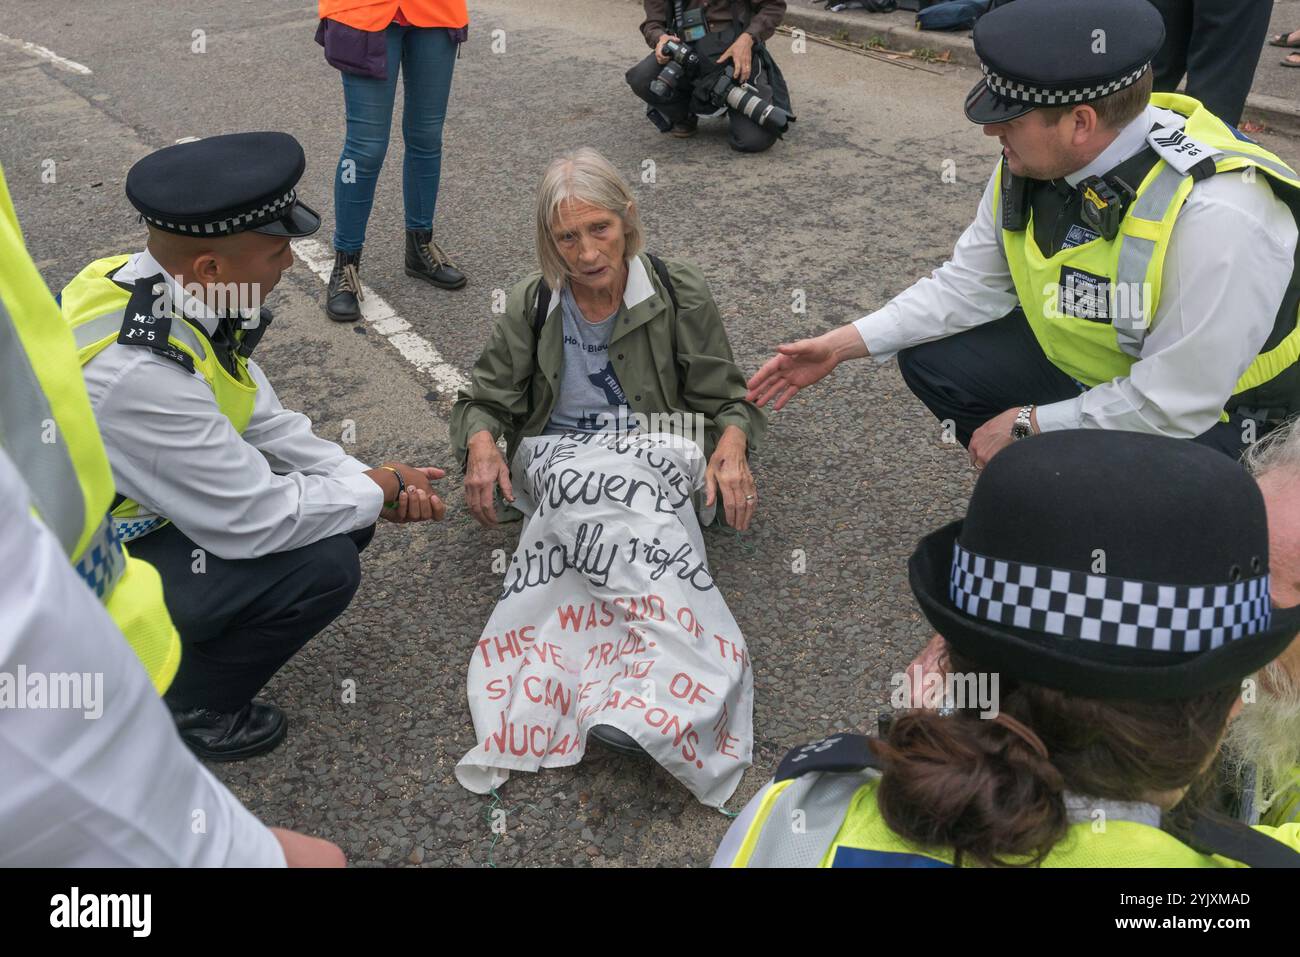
x=381 y=317
x=42 y=53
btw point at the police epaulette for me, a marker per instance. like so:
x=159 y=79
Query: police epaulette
x=145 y=325
x=840 y=753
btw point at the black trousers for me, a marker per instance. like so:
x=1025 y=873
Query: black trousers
x=744 y=135
x=1217 y=44
x=241 y=620
x=975 y=375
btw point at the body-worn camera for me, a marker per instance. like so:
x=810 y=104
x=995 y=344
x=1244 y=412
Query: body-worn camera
x=744 y=98
x=1104 y=202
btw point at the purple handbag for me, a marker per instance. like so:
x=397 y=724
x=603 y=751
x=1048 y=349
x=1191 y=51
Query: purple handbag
x=351 y=50
x=364 y=52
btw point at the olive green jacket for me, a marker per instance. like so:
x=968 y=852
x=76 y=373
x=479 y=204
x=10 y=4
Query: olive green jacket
x=667 y=364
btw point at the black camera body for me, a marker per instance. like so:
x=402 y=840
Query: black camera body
x=682 y=62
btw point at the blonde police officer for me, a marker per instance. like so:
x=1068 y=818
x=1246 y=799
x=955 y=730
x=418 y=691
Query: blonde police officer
x=205 y=459
x=1131 y=265
x=1113 y=688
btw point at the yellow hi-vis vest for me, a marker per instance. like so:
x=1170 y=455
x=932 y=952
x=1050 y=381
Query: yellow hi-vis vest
x=1101 y=341
x=48 y=429
x=824 y=819
x=94 y=307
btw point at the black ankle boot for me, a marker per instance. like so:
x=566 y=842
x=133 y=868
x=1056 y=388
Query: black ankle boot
x=424 y=260
x=342 y=298
x=254 y=729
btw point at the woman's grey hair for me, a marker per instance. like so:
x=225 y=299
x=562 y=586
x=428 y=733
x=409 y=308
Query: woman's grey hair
x=583 y=175
x=1280 y=449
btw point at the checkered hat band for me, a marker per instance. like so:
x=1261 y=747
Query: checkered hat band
x=1042 y=96
x=266 y=213
x=1112 y=611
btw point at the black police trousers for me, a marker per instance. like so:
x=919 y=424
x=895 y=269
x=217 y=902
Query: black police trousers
x=975 y=375
x=1216 y=43
x=241 y=620
x=744 y=135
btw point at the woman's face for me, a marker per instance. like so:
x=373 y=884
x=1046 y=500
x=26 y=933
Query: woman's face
x=592 y=242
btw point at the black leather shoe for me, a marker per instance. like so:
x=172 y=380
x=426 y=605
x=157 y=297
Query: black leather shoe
x=343 y=297
x=232 y=736
x=425 y=260
x=616 y=740
x=686 y=128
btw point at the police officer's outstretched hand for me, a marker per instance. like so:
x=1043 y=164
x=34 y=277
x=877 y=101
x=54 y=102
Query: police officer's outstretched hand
x=417 y=502
x=798 y=365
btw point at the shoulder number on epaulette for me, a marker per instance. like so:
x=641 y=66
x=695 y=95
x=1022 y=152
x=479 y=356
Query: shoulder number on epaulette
x=143 y=324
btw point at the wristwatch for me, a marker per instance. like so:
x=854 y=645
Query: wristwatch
x=1023 y=427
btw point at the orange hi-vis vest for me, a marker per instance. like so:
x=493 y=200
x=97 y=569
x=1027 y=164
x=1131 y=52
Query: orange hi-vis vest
x=372 y=15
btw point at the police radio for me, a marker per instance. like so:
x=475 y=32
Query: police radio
x=1015 y=200
x=1103 y=202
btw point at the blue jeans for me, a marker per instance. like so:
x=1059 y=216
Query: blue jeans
x=426 y=56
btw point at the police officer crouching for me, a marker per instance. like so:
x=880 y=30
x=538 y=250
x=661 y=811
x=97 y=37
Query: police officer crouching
x=1113 y=688
x=1131 y=265
x=253 y=522
x=710 y=58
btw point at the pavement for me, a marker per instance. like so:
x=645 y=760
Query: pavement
x=868 y=193
x=1274 y=100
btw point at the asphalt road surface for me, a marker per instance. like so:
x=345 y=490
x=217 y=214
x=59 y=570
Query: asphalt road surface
x=851 y=208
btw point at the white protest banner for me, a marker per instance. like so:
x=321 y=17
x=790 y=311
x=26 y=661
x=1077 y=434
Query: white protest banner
x=609 y=615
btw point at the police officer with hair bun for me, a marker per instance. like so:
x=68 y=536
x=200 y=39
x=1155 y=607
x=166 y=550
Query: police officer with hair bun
x=1131 y=265
x=253 y=522
x=1113 y=688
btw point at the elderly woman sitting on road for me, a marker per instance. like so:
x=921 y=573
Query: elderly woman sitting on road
x=615 y=341
x=612 y=379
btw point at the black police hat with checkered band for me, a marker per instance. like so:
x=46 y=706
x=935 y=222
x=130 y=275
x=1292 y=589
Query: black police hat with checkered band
x=223 y=185
x=1060 y=52
x=1109 y=565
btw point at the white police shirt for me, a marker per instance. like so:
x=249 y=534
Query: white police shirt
x=107 y=783
x=274 y=488
x=1229 y=260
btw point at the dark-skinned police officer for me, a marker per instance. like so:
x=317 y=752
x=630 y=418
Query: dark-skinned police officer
x=253 y=522
x=1131 y=265
x=725 y=35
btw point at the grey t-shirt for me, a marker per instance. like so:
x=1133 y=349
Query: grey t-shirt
x=590 y=393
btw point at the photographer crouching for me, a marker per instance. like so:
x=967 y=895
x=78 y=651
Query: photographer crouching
x=709 y=58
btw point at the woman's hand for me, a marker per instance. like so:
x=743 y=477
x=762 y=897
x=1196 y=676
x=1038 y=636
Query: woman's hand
x=729 y=471
x=485 y=469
